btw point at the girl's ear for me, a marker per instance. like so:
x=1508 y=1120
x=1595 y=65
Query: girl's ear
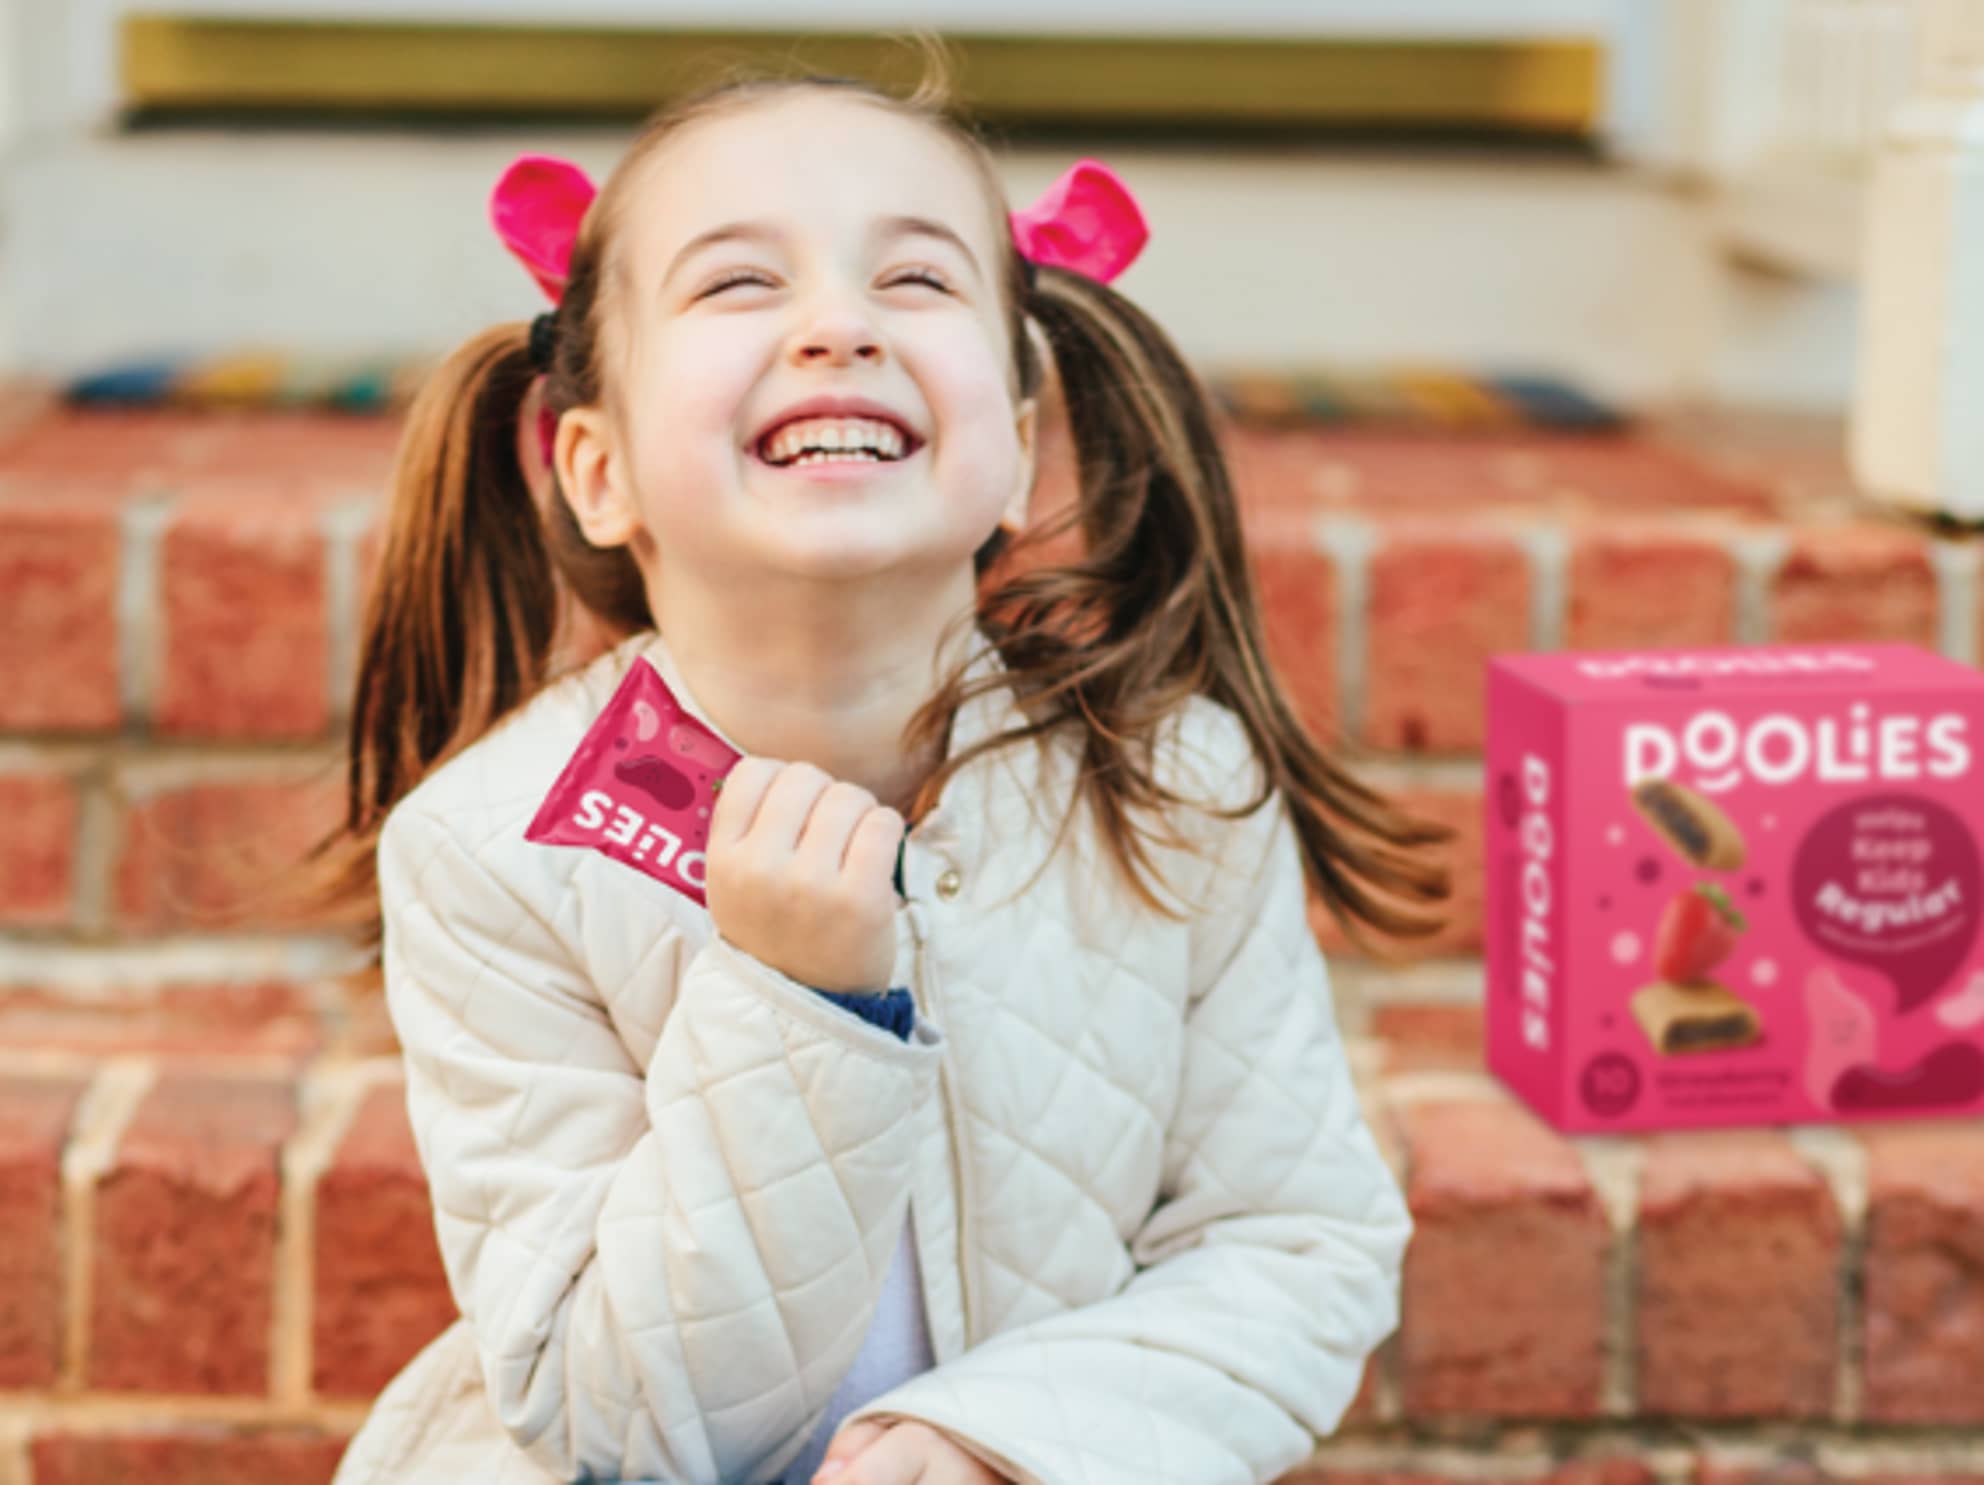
x=1027 y=426
x=591 y=475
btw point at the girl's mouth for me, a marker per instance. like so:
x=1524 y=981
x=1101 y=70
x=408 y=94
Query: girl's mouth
x=812 y=443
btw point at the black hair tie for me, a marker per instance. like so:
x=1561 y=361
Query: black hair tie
x=544 y=339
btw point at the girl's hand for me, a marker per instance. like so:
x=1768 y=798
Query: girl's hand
x=868 y=1453
x=799 y=874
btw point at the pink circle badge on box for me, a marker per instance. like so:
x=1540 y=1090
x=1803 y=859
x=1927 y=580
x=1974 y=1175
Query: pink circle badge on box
x=641 y=786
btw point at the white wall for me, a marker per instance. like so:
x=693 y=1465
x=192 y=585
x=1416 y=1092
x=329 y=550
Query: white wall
x=342 y=245
x=112 y=247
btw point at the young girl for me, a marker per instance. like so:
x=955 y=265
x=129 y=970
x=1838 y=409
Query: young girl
x=991 y=1123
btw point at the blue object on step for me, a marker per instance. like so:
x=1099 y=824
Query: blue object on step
x=137 y=382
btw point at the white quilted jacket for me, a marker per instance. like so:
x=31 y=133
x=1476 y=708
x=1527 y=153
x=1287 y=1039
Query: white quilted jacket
x=1157 y=1240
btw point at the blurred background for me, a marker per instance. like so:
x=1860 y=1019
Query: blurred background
x=1534 y=324
x=1659 y=199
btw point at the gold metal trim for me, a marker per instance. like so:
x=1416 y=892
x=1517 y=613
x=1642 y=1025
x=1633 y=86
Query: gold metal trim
x=172 y=64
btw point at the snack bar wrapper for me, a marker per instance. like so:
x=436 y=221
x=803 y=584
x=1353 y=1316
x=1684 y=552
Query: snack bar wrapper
x=642 y=786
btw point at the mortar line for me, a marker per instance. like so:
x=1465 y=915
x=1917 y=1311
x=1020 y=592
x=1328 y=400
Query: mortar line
x=1349 y=543
x=16 y=1467
x=96 y=851
x=103 y=1114
x=1758 y=557
x=1955 y=564
x=1549 y=551
x=140 y=615
x=105 y=973
x=343 y=526
x=1841 y=1160
x=1614 y=1167
x=329 y=1099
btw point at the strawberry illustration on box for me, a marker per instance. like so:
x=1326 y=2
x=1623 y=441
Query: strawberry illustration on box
x=1697 y=932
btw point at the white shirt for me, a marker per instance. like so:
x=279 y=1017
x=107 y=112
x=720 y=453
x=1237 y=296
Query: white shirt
x=897 y=1348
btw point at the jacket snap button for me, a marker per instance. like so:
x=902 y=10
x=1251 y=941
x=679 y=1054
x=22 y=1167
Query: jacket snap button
x=949 y=883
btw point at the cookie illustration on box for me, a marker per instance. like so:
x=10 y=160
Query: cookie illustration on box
x=1706 y=1017
x=1691 y=823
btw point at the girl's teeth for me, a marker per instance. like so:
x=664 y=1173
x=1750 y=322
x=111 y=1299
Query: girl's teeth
x=831 y=435
x=857 y=456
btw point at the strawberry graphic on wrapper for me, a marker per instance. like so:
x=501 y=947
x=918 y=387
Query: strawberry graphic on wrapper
x=1697 y=932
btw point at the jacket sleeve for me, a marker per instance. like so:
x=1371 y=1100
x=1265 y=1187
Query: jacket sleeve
x=666 y=1269
x=1267 y=1272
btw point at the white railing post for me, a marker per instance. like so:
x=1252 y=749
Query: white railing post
x=1917 y=427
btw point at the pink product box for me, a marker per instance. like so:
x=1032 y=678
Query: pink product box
x=1735 y=886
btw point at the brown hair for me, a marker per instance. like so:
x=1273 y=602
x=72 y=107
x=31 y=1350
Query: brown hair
x=1157 y=605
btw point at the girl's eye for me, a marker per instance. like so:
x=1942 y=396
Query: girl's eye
x=922 y=276
x=730 y=279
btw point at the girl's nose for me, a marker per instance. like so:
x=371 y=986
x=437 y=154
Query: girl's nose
x=838 y=334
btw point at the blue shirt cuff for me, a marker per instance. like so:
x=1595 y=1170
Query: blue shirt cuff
x=894 y=1012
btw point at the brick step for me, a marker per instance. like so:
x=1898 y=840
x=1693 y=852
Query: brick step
x=179 y=597
x=178 y=604
x=189 y=578
x=241 y=1253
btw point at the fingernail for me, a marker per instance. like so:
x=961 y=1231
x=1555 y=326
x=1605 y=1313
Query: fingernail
x=831 y=1467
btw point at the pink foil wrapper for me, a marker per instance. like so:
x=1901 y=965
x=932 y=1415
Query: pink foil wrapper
x=641 y=787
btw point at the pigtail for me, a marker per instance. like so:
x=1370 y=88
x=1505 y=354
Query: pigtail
x=459 y=622
x=1162 y=604
x=461 y=614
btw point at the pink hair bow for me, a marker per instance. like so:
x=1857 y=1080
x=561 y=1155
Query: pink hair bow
x=536 y=209
x=1086 y=222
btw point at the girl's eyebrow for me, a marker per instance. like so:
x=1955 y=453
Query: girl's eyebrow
x=728 y=232
x=926 y=227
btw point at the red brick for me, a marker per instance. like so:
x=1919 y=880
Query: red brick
x=1599 y=1470
x=250 y=1018
x=38 y=848
x=1604 y=477
x=1639 y=589
x=1739 y=1272
x=1430 y=1037
x=1859 y=583
x=1289 y=469
x=1709 y=1470
x=1385 y=474
x=58 y=611
x=1295 y=584
x=314 y=451
x=209 y=854
x=1788 y=1468
x=291 y=454
x=381 y=1293
x=183 y=1270
x=1440 y=606
x=368 y=1029
x=35 y=1113
x=1925 y=1274
x=1460 y=811
x=1364 y=1410
x=1504 y=1281
x=187 y=1454
x=371 y=548
x=246 y=636
x=118 y=450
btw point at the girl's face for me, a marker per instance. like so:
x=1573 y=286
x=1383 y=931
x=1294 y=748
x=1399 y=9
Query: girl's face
x=814 y=249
